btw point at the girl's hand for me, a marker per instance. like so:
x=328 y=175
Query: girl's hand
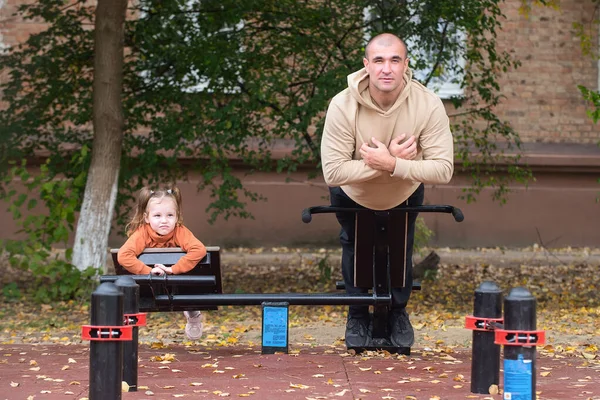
x=165 y=269
x=157 y=270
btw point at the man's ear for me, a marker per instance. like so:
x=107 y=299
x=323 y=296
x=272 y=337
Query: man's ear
x=365 y=62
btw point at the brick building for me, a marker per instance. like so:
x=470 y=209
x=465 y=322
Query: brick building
x=542 y=103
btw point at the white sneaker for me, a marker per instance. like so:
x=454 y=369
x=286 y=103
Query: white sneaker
x=193 y=327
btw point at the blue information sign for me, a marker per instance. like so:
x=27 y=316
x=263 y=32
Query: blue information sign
x=275 y=327
x=518 y=379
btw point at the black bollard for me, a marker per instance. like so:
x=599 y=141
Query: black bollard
x=485 y=360
x=131 y=297
x=519 y=355
x=106 y=356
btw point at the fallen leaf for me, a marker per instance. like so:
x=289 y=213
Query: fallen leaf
x=493 y=389
x=298 y=386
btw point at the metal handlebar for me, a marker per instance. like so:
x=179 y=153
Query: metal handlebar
x=456 y=212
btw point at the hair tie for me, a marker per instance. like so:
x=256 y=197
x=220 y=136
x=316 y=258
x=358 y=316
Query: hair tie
x=152 y=192
x=169 y=191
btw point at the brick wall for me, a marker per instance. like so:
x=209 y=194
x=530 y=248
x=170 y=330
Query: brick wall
x=543 y=103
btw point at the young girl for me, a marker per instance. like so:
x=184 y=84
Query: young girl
x=158 y=222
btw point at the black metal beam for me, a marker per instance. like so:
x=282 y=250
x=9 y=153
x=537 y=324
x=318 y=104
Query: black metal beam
x=297 y=299
x=181 y=280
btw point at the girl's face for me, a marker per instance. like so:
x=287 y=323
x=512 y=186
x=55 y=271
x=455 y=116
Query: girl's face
x=161 y=214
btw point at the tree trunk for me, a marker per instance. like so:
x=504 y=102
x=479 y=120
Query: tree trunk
x=93 y=227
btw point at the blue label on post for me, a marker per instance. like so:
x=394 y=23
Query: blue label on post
x=518 y=379
x=275 y=322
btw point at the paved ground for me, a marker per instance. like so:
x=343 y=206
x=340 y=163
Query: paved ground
x=52 y=371
x=61 y=372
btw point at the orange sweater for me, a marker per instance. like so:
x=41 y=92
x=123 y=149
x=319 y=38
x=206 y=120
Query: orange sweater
x=145 y=237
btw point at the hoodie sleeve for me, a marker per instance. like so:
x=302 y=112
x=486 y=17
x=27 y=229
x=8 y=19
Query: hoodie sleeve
x=338 y=145
x=437 y=146
x=129 y=252
x=195 y=250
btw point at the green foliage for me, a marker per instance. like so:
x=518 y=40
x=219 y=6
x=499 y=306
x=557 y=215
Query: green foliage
x=593 y=98
x=11 y=292
x=208 y=84
x=53 y=278
x=325 y=269
x=422 y=234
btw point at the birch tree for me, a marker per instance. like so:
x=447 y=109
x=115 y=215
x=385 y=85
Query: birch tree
x=93 y=227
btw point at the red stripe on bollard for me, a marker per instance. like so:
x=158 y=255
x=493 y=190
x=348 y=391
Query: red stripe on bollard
x=109 y=333
x=520 y=338
x=138 y=319
x=482 y=324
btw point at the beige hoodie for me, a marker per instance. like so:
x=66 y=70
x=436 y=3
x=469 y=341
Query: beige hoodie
x=353 y=118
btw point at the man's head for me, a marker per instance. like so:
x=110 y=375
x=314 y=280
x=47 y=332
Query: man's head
x=386 y=60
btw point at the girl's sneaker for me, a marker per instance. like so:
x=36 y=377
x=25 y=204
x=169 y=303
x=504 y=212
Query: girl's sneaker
x=193 y=327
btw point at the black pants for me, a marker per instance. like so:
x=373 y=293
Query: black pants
x=347 y=221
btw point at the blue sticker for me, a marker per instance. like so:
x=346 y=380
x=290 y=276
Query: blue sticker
x=518 y=379
x=275 y=324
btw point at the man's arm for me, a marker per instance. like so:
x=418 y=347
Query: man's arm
x=337 y=151
x=436 y=165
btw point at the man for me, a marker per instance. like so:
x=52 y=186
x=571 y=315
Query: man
x=384 y=136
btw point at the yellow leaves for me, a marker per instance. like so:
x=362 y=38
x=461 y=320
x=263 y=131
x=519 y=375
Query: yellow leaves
x=196 y=384
x=493 y=389
x=14 y=384
x=298 y=386
x=588 y=356
x=545 y=373
x=591 y=348
x=343 y=392
x=165 y=358
x=419 y=326
x=365 y=369
x=124 y=387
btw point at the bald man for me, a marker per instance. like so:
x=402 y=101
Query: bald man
x=385 y=136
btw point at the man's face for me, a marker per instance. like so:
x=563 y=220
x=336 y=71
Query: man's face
x=386 y=65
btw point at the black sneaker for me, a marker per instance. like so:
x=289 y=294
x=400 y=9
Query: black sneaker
x=401 y=331
x=357 y=332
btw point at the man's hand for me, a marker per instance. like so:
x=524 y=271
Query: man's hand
x=406 y=150
x=378 y=158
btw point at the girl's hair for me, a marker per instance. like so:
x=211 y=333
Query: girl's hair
x=144 y=196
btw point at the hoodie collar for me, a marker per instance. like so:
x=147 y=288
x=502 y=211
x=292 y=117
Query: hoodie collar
x=358 y=84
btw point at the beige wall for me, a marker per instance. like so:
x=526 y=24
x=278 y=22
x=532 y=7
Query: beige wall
x=559 y=209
